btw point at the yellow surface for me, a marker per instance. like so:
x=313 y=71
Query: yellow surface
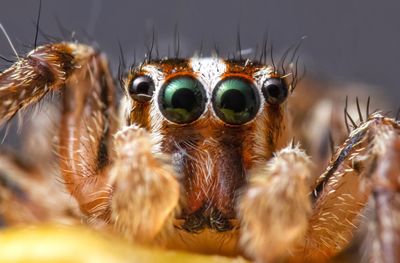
x=78 y=244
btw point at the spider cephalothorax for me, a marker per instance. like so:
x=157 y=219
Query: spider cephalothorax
x=217 y=119
x=202 y=158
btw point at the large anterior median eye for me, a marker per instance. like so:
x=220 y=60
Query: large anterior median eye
x=182 y=99
x=235 y=100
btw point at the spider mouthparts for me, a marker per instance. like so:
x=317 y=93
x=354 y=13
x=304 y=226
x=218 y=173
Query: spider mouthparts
x=206 y=218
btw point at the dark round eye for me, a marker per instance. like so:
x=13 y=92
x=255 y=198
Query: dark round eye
x=182 y=99
x=235 y=100
x=274 y=90
x=141 y=89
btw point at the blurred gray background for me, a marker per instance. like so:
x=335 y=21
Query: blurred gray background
x=348 y=41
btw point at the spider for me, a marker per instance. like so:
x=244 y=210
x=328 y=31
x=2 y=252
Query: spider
x=200 y=157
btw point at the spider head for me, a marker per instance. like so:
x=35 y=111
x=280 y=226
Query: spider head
x=217 y=119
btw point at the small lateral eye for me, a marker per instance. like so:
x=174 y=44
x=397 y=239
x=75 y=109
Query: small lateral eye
x=141 y=88
x=274 y=90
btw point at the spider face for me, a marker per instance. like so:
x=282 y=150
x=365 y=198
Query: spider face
x=218 y=119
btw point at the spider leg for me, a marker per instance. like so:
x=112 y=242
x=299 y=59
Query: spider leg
x=383 y=237
x=86 y=128
x=25 y=191
x=43 y=70
x=275 y=208
x=342 y=192
x=276 y=212
x=87 y=117
x=146 y=190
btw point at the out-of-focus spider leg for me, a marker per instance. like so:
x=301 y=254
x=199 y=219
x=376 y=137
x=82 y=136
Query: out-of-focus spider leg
x=87 y=123
x=342 y=192
x=275 y=208
x=24 y=195
x=383 y=237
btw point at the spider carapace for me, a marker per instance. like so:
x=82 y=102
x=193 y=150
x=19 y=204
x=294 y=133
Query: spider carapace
x=201 y=157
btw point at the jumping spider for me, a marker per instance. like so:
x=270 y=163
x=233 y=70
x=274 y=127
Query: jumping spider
x=201 y=158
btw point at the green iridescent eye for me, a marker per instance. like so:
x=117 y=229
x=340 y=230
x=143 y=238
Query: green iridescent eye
x=235 y=100
x=182 y=99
